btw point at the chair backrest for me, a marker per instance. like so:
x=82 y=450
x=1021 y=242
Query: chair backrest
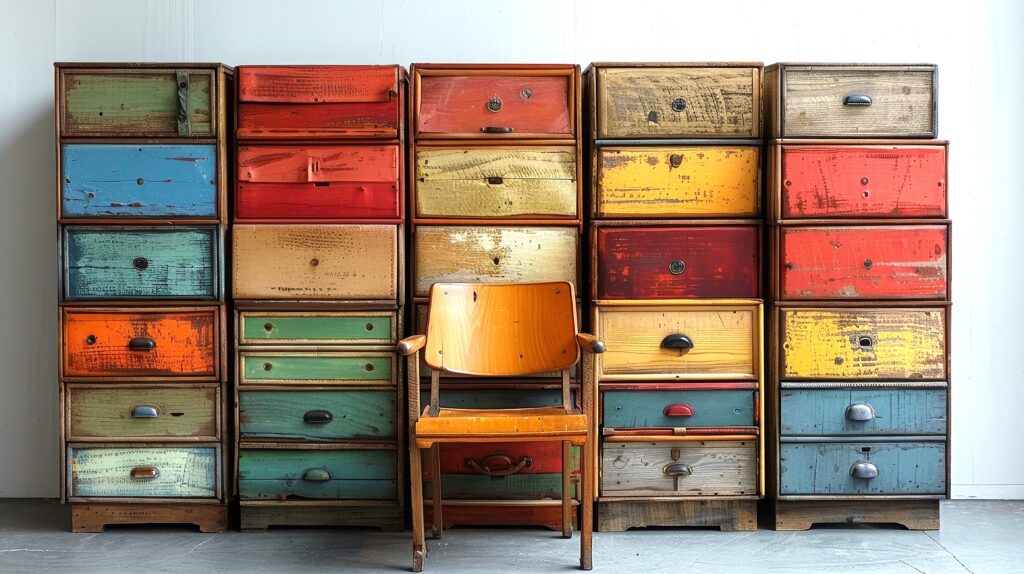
x=501 y=330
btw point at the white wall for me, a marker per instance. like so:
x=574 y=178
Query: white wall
x=977 y=45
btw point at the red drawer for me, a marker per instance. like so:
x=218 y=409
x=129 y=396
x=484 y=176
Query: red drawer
x=542 y=457
x=863 y=181
x=677 y=262
x=873 y=262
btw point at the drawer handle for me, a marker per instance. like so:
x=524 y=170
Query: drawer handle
x=145 y=412
x=317 y=417
x=677 y=469
x=316 y=474
x=498 y=465
x=142 y=344
x=497 y=130
x=856 y=99
x=860 y=412
x=145 y=472
x=676 y=266
x=678 y=104
x=865 y=470
x=495 y=180
x=184 y=127
x=677 y=341
x=140 y=263
x=678 y=410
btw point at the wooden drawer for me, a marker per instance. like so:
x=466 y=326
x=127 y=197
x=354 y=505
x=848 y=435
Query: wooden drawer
x=318 y=182
x=854 y=100
x=316 y=368
x=497 y=182
x=677 y=262
x=650 y=341
x=138 y=181
x=867 y=181
x=141 y=263
x=692 y=468
x=129 y=344
x=495 y=101
x=143 y=472
x=678 y=181
x=505 y=254
x=518 y=471
x=713 y=101
x=309 y=102
x=315 y=262
x=910 y=468
x=872 y=262
x=675 y=406
x=121 y=412
x=871 y=343
x=136 y=101
x=473 y=396
x=278 y=474
x=833 y=410
x=317 y=327
x=317 y=415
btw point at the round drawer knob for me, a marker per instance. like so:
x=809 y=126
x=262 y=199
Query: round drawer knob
x=676 y=267
x=494 y=104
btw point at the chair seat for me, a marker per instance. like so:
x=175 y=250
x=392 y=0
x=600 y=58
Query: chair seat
x=492 y=425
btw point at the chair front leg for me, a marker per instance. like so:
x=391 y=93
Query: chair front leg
x=435 y=471
x=419 y=543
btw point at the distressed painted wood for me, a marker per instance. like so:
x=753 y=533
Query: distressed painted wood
x=141 y=262
x=316 y=327
x=320 y=163
x=317 y=84
x=678 y=181
x=912 y=467
x=138 y=180
x=802 y=514
x=677 y=262
x=642 y=102
x=328 y=121
x=727 y=515
x=874 y=343
x=119 y=413
x=280 y=415
x=872 y=262
x=516 y=487
x=863 y=181
x=317 y=474
x=315 y=261
x=507 y=254
x=719 y=468
x=477 y=399
x=496 y=182
x=321 y=201
x=257 y=516
x=182 y=472
x=894 y=411
x=543 y=457
x=335 y=367
x=652 y=408
x=96 y=516
x=529 y=104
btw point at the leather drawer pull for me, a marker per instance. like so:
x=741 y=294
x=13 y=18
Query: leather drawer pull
x=677 y=469
x=865 y=470
x=497 y=130
x=856 y=99
x=145 y=412
x=142 y=344
x=860 y=412
x=678 y=410
x=145 y=472
x=316 y=474
x=317 y=417
x=499 y=465
x=677 y=341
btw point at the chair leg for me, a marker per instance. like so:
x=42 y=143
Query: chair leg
x=435 y=470
x=566 y=489
x=419 y=543
x=587 y=508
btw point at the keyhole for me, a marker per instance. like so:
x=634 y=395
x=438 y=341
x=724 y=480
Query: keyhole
x=496 y=260
x=865 y=342
x=866 y=193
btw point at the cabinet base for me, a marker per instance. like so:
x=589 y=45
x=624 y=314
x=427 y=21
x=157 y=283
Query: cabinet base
x=727 y=515
x=257 y=518
x=802 y=514
x=518 y=513
x=94 y=517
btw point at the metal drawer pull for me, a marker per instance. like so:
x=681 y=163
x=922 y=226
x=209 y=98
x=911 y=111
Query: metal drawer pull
x=317 y=417
x=495 y=180
x=142 y=344
x=145 y=472
x=497 y=130
x=856 y=99
x=677 y=469
x=860 y=412
x=678 y=104
x=316 y=474
x=140 y=263
x=494 y=104
x=678 y=410
x=677 y=341
x=145 y=412
x=498 y=465
x=676 y=266
x=864 y=470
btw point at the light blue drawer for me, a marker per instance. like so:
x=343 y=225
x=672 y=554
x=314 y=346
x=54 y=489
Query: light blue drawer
x=862 y=411
x=142 y=472
x=830 y=468
x=682 y=408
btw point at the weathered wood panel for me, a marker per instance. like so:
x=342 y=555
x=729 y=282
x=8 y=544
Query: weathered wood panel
x=825 y=468
x=181 y=472
x=316 y=327
x=119 y=412
x=337 y=367
x=516 y=487
x=322 y=201
x=320 y=163
x=355 y=415
x=318 y=121
x=900 y=411
x=651 y=408
x=318 y=474
x=727 y=515
x=526 y=104
x=533 y=457
x=722 y=468
x=317 y=84
x=519 y=398
x=96 y=516
x=802 y=514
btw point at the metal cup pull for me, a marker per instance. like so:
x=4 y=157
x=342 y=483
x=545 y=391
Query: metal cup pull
x=860 y=412
x=145 y=472
x=677 y=469
x=497 y=130
x=857 y=99
x=145 y=412
x=678 y=410
x=142 y=344
x=498 y=465
x=865 y=470
x=317 y=417
x=316 y=474
x=677 y=341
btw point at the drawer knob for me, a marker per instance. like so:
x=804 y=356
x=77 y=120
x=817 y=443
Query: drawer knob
x=857 y=99
x=676 y=267
x=145 y=412
x=317 y=417
x=140 y=263
x=677 y=469
x=497 y=130
x=678 y=105
x=675 y=160
x=494 y=104
x=677 y=341
x=678 y=410
x=316 y=474
x=865 y=470
x=498 y=465
x=142 y=344
x=860 y=412
x=145 y=472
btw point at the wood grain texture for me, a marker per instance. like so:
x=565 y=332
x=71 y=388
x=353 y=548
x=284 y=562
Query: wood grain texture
x=518 y=487
x=183 y=472
x=802 y=514
x=336 y=202
x=258 y=516
x=899 y=411
x=320 y=367
x=318 y=163
x=318 y=121
x=279 y=415
x=317 y=327
x=638 y=409
x=530 y=104
x=95 y=516
x=317 y=84
x=277 y=474
x=727 y=515
x=544 y=457
x=678 y=181
x=719 y=468
x=187 y=412
x=907 y=468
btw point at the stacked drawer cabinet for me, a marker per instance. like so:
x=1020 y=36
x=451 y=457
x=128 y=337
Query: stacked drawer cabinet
x=318 y=286
x=860 y=287
x=676 y=283
x=496 y=198
x=141 y=207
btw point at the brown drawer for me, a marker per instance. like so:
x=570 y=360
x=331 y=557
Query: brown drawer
x=691 y=468
x=143 y=412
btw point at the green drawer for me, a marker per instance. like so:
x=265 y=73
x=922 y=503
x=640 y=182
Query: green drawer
x=317 y=328
x=317 y=415
x=327 y=367
x=271 y=474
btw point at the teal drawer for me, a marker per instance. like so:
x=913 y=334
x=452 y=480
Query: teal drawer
x=515 y=487
x=318 y=368
x=830 y=468
x=317 y=415
x=682 y=408
x=272 y=474
x=494 y=399
x=142 y=472
x=863 y=411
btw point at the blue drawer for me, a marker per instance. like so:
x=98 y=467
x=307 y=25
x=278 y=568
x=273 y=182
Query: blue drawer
x=862 y=411
x=831 y=468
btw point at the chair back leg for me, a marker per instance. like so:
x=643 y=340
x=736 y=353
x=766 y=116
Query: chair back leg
x=435 y=472
x=419 y=543
x=566 y=489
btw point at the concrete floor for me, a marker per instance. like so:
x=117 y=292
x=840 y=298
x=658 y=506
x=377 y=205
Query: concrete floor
x=979 y=537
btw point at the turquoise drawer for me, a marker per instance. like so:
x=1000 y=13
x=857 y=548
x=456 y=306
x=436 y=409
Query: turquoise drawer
x=141 y=263
x=863 y=468
x=317 y=415
x=142 y=472
x=271 y=474
x=494 y=399
x=682 y=408
x=515 y=487
x=862 y=411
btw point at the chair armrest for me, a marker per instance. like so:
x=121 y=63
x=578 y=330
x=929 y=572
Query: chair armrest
x=411 y=344
x=589 y=343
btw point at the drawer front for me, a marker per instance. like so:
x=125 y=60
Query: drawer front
x=679 y=102
x=138 y=180
x=705 y=468
x=677 y=262
x=502 y=471
x=494 y=105
x=129 y=102
x=496 y=182
x=838 y=101
x=519 y=398
x=271 y=474
x=890 y=262
x=647 y=342
x=139 y=343
x=541 y=486
x=315 y=261
x=141 y=263
x=863 y=181
x=472 y=254
x=325 y=367
x=690 y=181
x=682 y=408
x=907 y=468
x=317 y=328
x=128 y=472
x=862 y=411
x=317 y=415
x=848 y=344
x=150 y=412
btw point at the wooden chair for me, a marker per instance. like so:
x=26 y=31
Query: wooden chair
x=499 y=330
